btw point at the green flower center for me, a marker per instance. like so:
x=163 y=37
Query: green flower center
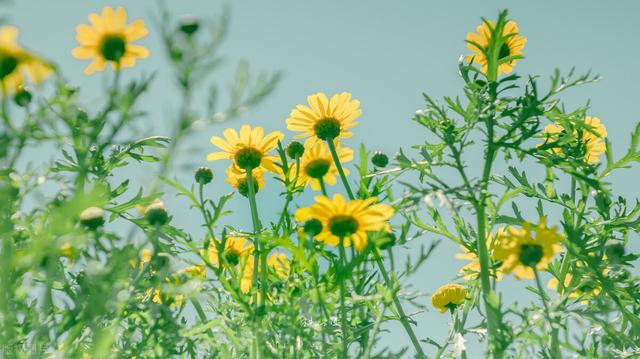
x=327 y=128
x=505 y=51
x=113 y=47
x=343 y=226
x=312 y=227
x=8 y=63
x=317 y=168
x=232 y=257
x=248 y=158
x=531 y=254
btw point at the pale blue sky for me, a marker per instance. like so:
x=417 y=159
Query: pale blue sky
x=386 y=53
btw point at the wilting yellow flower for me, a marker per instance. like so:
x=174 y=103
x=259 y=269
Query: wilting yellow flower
x=110 y=39
x=325 y=118
x=349 y=220
x=17 y=64
x=236 y=250
x=448 y=297
x=593 y=141
x=478 y=42
x=472 y=269
x=248 y=150
x=522 y=249
x=237 y=178
x=316 y=163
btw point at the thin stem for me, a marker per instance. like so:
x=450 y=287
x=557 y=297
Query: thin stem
x=336 y=160
x=398 y=305
x=343 y=311
x=323 y=188
x=555 y=346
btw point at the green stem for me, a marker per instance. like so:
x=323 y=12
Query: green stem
x=396 y=301
x=257 y=228
x=555 y=346
x=343 y=310
x=323 y=188
x=336 y=160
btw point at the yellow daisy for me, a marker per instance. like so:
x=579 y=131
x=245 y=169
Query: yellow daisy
x=472 y=269
x=478 y=42
x=522 y=249
x=277 y=262
x=349 y=220
x=236 y=250
x=449 y=297
x=316 y=163
x=237 y=178
x=324 y=118
x=592 y=138
x=249 y=149
x=280 y=264
x=18 y=65
x=110 y=39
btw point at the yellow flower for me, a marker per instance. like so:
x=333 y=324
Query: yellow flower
x=280 y=264
x=110 y=39
x=316 y=163
x=195 y=271
x=236 y=250
x=478 y=42
x=248 y=150
x=349 y=220
x=277 y=262
x=325 y=118
x=237 y=178
x=17 y=64
x=472 y=269
x=522 y=249
x=145 y=257
x=448 y=297
x=588 y=288
x=593 y=142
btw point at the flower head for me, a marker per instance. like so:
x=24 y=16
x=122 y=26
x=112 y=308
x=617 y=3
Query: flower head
x=110 y=39
x=448 y=297
x=17 y=64
x=236 y=250
x=348 y=220
x=522 y=249
x=249 y=149
x=316 y=163
x=237 y=178
x=478 y=42
x=592 y=138
x=324 y=118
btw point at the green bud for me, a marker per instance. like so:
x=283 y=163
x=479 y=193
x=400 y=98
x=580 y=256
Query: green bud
x=189 y=24
x=295 y=149
x=380 y=160
x=204 y=175
x=312 y=227
x=243 y=187
x=92 y=218
x=156 y=214
x=22 y=97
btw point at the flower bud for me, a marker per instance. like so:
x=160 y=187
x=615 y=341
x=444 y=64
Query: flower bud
x=204 y=175
x=189 y=24
x=387 y=240
x=156 y=214
x=312 y=227
x=380 y=160
x=92 y=218
x=295 y=149
x=22 y=97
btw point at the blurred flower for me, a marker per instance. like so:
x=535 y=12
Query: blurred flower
x=110 y=39
x=593 y=141
x=478 y=42
x=17 y=64
x=472 y=269
x=449 y=297
x=248 y=150
x=349 y=220
x=316 y=163
x=156 y=213
x=522 y=249
x=325 y=118
x=92 y=217
x=145 y=257
x=236 y=250
x=458 y=345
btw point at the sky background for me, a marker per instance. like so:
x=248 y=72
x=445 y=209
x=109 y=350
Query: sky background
x=386 y=54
